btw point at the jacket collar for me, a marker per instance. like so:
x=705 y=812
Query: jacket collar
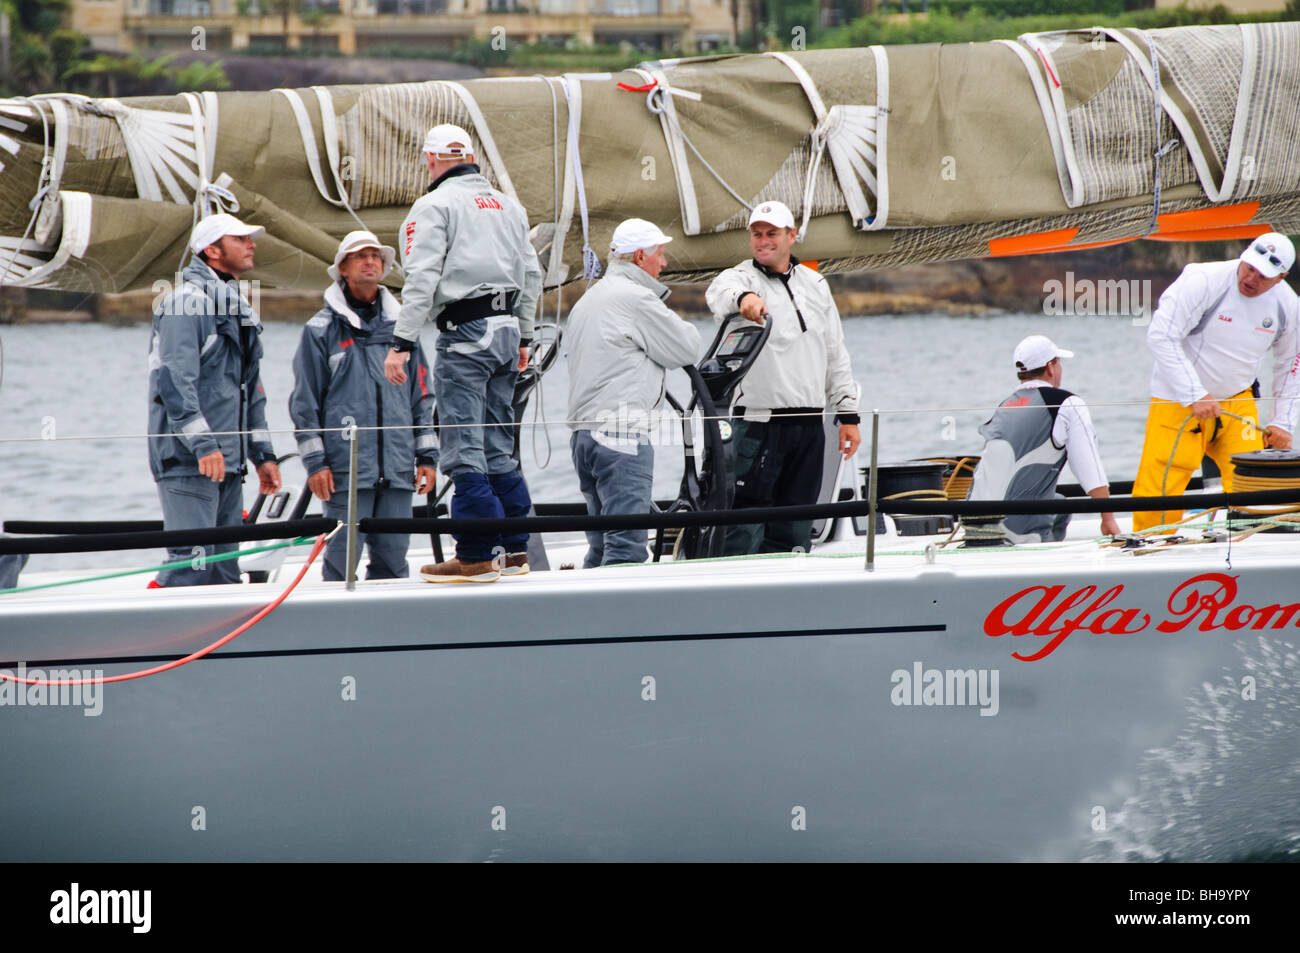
x=336 y=302
x=770 y=273
x=465 y=168
x=625 y=269
x=199 y=272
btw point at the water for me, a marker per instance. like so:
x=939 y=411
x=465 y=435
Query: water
x=921 y=371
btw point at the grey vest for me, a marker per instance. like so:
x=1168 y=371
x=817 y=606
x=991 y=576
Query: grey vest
x=1020 y=461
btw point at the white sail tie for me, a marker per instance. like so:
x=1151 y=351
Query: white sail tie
x=573 y=97
x=308 y=136
x=1161 y=150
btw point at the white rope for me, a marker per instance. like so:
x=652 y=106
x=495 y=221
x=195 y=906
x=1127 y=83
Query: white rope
x=573 y=98
x=655 y=102
x=1161 y=150
x=43 y=184
x=308 y=136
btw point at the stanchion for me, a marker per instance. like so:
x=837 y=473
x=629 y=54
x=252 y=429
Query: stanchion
x=871 y=492
x=352 y=508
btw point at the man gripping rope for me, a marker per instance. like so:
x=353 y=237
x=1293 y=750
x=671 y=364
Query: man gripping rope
x=1213 y=327
x=469 y=264
x=803 y=367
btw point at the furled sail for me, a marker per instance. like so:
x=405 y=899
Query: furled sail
x=887 y=155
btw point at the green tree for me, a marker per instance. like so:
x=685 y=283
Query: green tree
x=286 y=9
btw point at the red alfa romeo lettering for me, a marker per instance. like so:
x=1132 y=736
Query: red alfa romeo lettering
x=1053 y=624
x=1208 y=602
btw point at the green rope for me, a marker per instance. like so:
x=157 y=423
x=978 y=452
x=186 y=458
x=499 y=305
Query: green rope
x=300 y=541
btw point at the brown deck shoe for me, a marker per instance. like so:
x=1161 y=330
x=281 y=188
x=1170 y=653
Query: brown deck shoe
x=453 y=570
x=515 y=564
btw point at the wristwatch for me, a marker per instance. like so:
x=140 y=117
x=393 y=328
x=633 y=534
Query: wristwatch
x=403 y=346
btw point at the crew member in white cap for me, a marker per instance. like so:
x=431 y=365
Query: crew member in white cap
x=620 y=340
x=469 y=265
x=339 y=380
x=802 y=371
x=1031 y=437
x=1212 y=329
x=206 y=398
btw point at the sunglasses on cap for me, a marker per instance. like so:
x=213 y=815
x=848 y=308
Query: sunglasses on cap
x=1271 y=259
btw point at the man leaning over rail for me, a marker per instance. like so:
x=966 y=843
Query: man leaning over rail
x=1213 y=327
x=621 y=339
x=470 y=265
x=338 y=374
x=803 y=368
x=1031 y=437
x=206 y=398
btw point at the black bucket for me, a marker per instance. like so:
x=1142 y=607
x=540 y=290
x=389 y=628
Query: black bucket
x=911 y=481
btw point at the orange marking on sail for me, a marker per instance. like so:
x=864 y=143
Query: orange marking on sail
x=1031 y=244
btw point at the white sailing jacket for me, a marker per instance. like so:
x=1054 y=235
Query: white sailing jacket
x=805 y=362
x=620 y=339
x=1207 y=338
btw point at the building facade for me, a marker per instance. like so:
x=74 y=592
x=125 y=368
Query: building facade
x=393 y=26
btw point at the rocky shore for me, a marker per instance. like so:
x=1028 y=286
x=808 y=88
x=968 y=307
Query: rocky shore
x=1120 y=279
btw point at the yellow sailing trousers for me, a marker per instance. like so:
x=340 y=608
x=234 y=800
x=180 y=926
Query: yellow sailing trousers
x=1218 y=438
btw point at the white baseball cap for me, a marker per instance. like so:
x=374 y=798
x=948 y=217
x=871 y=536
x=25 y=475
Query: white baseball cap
x=448 y=142
x=636 y=234
x=774 y=213
x=1271 y=254
x=1037 y=351
x=215 y=227
x=355 y=241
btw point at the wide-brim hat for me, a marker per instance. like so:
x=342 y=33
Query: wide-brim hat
x=356 y=241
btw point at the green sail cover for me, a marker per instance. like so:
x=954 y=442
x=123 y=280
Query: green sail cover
x=886 y=156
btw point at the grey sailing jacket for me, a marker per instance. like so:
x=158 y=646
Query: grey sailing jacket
x=203 y=380
x=338 y=374
x=620 y=339
x=463 y=239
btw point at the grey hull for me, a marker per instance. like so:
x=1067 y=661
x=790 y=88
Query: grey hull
x=770 y=729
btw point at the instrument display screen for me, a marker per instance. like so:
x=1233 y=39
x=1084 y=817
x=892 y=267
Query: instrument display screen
x=737 y=342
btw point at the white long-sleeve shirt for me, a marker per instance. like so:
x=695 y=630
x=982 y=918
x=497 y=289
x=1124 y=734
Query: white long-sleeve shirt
x=804 y=362
x=1074 y=431
x=1208 y=338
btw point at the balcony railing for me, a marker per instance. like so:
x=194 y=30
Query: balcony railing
x=411 y=7
x=180 y=8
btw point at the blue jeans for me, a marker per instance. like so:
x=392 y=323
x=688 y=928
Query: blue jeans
x=197 y=503
x=614 y=484
x=474 y=384
x=475 y=393
x=387 y=550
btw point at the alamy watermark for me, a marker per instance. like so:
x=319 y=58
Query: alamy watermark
x=203 y=295
x=1087 y=297
x=86 y=693
x=953 y=687
x=78 y=905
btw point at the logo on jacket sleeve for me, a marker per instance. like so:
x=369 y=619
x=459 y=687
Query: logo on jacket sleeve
x=410 y=237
